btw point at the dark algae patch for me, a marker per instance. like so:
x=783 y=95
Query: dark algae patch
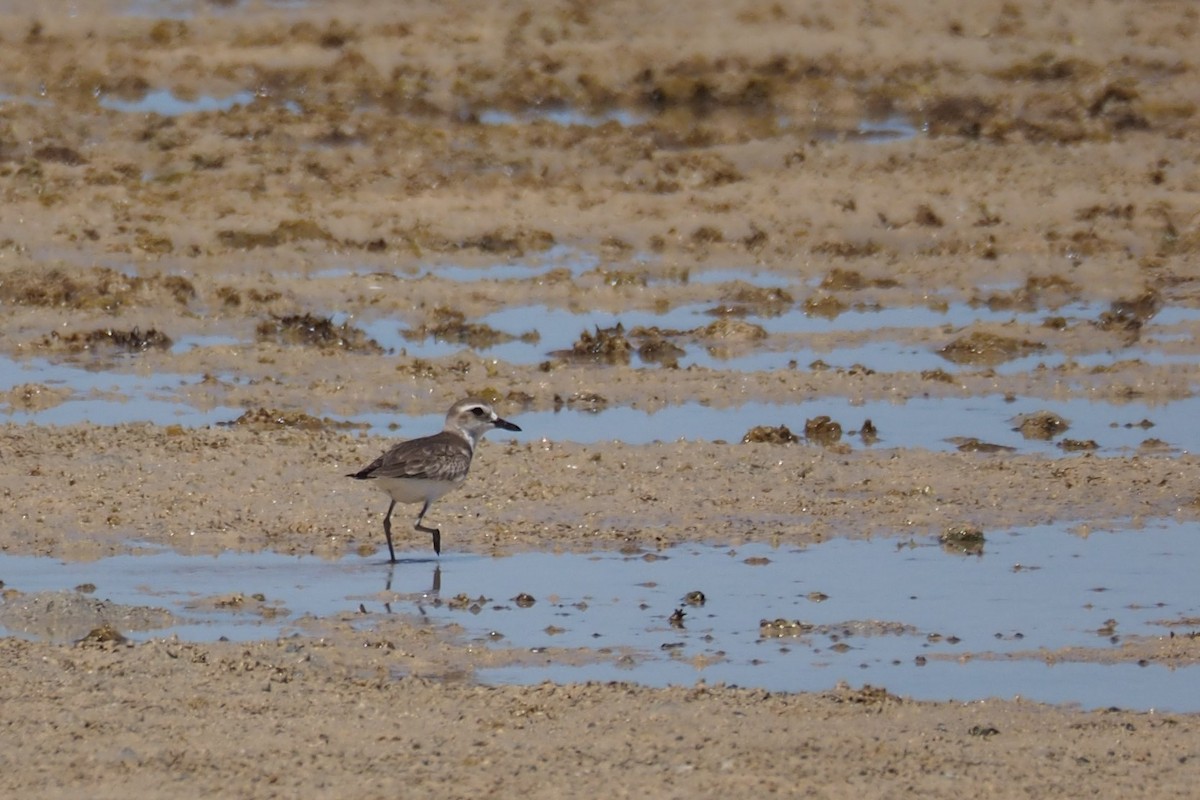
x=308 y=330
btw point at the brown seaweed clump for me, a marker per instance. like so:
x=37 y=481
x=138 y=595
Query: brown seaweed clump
x=825 y=307
x=868 y=432
x=988 y=349
x=728 y=337
x=271 y=419
x=964 y=540
x=294 y=230
x=971 y=444
x=581 y=401
x=606 y=345
x=937 y=375
x=104 y=634
x=822 y=430
x=1129 y=315
x=733 y=330
x=450 y=325
x=131 y=341
x=313 y=331
x=1041 y=425
x=764 y=434
x=851 y=280
x=34 y=397
x=762 y=300
x=780 y=628
x=98 y=288
x=515 y=243
x=656 y=347
x=1038 y=291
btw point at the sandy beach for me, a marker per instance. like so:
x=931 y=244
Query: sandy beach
x=313 y=218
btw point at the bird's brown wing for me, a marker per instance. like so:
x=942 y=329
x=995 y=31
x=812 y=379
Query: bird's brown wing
x=442 y=456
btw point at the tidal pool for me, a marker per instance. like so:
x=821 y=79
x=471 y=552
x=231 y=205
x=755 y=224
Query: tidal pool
x=165 y=103
x=109 y=396
x=941 y=424
x=113 y=397
x=907 y=614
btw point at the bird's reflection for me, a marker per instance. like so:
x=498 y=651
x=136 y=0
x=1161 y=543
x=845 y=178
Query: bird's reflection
x=434 y=589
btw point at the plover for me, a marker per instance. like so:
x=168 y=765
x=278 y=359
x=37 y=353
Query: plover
x=422 y=470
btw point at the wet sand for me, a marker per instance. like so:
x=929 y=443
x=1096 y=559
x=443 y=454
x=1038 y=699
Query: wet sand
x=1038 y=157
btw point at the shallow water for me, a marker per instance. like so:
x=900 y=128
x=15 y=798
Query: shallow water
x=572 y=259
x=108 y=397
x=558 y=329
x=894 y=128
x=888 y=606
x=165 y=103
x=886 y=340
x=114 y=398
x=928 y=423
x=566 y=117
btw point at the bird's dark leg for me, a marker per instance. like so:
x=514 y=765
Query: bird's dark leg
x=437 y=535
x=387 y=530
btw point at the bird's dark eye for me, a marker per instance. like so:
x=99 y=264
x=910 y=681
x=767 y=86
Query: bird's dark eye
x=477 y=411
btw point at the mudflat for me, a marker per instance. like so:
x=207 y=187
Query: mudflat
x=251 y=198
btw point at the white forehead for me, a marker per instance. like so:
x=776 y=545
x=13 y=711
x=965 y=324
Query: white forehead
x=472 y=409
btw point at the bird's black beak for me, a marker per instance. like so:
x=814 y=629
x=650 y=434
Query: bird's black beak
x=505 y=424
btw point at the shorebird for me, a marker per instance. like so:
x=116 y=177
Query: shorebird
x=422 y=470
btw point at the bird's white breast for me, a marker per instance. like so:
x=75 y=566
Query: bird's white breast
x=415 y=490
